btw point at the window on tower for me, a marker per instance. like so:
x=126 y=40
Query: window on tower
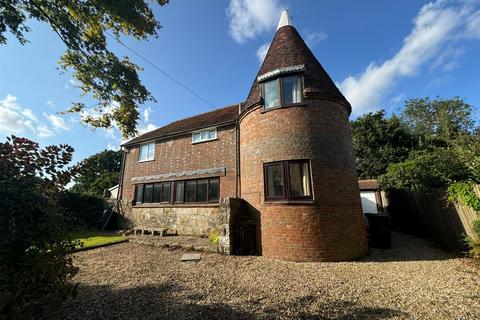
x=282 y=91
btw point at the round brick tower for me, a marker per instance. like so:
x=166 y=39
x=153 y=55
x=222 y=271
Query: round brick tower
x=296 y=163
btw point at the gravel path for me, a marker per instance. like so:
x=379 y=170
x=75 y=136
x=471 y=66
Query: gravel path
x=412 y=281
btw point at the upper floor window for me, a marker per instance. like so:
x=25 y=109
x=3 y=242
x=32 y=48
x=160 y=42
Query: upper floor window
x=288 y=180
x=147 y=152
x=204 y=135
x=282 y=91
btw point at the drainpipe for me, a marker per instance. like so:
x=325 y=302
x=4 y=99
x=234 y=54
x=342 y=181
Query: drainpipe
x=122 y=172
x=237 y=154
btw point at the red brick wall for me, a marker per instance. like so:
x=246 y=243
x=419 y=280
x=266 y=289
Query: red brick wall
x=331 y=227
x=179 y=154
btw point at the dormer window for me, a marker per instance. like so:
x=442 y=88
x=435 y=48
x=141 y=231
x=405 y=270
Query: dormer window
x=204 y=135
x=147 y=152
x=282 y=91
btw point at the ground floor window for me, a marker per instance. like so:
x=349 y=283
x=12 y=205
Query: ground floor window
x=285 y=180
x=183 y=191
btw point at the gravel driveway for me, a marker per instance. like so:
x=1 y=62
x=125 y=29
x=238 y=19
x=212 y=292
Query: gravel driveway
x=412 y=281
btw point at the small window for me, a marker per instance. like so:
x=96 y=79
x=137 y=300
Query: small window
x=274 y=180
x=148 y=193
x=286 y=180
x=282 y=91
x=299 y=179
x=190 y=190
x=204 y=135
x=271 y=94
x=157 y=193
x=291 y=90
x=213 y=189
x=147 y=152
x=202 y=189
x=166 y=191
x=179 y=191
x=138 y=193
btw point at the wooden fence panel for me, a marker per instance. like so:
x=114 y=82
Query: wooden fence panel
x=446 y=223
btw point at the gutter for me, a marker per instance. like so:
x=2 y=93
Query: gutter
x=179 y=133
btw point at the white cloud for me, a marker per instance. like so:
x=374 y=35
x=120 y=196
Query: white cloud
x=147 y=128
x=313 y=38
x=113 y=147
x=262 y=51
x=473 y=26
x=50 y=104
x=44 y=132
x=448 y=59
x=249 y=18
x=146 y=114
x=436 y=27
x=15 y=119
x=57 y=122
x=29 y=114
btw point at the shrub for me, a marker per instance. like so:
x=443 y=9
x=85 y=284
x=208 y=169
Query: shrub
x=214 y=237
x=35 y=269
x=84 y=211
x=426 y=169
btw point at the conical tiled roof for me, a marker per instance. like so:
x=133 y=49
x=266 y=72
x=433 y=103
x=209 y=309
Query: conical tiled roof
x=289 y=50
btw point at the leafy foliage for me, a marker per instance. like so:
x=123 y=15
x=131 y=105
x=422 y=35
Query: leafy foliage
x=448 y=150
x=98 y=173
x=447 y=155
x=424 y=170
x=83 y=27
x=84 y=211
x=378 y=141
x=34 y=266
x=464 y=191
x=438 y=122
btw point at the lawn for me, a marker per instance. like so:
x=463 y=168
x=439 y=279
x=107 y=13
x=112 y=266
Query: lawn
x=94 y=239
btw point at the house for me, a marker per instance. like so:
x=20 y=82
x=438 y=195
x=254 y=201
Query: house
x=274 y=175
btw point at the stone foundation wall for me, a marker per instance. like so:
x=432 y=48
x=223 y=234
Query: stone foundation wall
x=194 y=221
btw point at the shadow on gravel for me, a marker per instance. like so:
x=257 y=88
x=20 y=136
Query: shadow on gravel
x=408 y=248
x=170 y=301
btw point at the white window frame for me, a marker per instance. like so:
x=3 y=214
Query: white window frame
x=204 y=135
x=148 y=145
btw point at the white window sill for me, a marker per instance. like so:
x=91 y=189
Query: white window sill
x=208 y=140
x=148 y=160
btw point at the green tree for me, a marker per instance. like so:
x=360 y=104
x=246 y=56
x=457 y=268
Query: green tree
x=377 y=142
x=439 y=122
x=83 y=26
x=35 y=265
x=426 y=169
x=98 y=173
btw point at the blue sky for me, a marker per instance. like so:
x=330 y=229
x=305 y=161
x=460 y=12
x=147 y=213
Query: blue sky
x=378 y=52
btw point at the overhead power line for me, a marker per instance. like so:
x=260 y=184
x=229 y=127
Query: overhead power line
x=162 y=71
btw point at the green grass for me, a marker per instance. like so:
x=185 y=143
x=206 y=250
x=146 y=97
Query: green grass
x=95 y=239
